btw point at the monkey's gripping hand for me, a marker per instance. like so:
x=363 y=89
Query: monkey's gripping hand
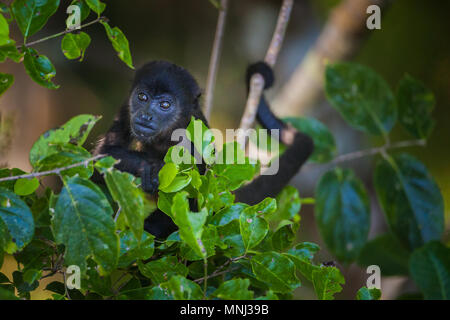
x=149 y=176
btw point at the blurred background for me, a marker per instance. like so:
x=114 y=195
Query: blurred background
x=414 y=39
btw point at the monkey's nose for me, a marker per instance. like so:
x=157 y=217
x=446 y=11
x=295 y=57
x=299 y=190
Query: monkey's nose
x=146 y=117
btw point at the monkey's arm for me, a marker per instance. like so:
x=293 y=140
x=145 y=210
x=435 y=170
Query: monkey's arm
x=116 y=143
x=299 y=147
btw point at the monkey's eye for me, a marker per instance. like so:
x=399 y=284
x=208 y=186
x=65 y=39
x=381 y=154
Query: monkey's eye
x=142 y=96
x=165 y=104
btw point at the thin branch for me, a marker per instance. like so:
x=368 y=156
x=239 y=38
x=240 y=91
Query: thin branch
x=372 y=151
x=63 y=32
x=257 y=81
x=54 y=171
x=215 y=57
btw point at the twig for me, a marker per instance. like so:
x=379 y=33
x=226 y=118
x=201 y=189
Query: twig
x=54 y=171
x=257 y=81
x=215 y=56
x=372 y=151
x=63 y=32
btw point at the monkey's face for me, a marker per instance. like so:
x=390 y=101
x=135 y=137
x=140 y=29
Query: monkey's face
x=152 y=114
x=162 y=100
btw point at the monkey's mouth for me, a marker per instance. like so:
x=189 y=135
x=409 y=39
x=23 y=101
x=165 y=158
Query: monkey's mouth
x=144 y=128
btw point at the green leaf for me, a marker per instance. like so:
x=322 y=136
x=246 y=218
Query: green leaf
x=327 y=282
x=7 y=295
x=16 y=222
x=342 y=213
x=24 y=187
x=202 y=138
x=233 y=167
x=190 y=224
x=97 y=6
x=167 y=174
x=65 y=155
x=119 y=43
x=324 y=144
x=6 y=81
x=4 y=31
x=10 y=51
x=386 y=252
x=302 y=256
x=39 y=68
x=230 y=235
x=183 y=289
x=215 y=3
x=32 y=15
x=411 y=200
x=32 y=275
x=253 y=228
x=361 y=96
x=430 y=270
x=284 y=236
x=368 y=294
x=209 y=240
x=131 y=199
x=415 y=104
x=288 y=205
x=276 y=270
x=75 y=131
x=163 y=269
x=177 y=184
x=82 y=221
x=226 y=215
x=74 y=45
x=236 y=289
x=131 y=249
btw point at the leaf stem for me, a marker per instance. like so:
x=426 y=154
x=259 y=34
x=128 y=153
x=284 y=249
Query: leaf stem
x=54 y=171
x=99 y=19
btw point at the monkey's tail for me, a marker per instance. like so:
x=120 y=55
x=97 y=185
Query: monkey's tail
x=290 y=162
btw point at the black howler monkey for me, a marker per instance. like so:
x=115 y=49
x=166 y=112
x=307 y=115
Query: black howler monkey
x=163 y=98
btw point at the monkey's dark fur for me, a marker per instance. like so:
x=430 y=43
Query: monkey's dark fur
x=163 y=98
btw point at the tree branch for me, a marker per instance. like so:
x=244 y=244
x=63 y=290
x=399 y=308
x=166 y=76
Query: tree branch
x=54 y=171
x=215 y=57
x=257 y=81
x=372 y=151
x=63 y=32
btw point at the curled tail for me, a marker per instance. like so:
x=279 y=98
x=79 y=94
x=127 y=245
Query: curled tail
x=299 y=147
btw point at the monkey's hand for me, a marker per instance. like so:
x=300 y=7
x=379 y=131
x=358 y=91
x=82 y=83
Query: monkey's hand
x=149 y=176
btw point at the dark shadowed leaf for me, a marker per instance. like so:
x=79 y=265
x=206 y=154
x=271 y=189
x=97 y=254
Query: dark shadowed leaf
x=361 y=96
x=411 y=200
x=82 y=221
x=16 y=222
x=386 y=252
x=342 y=213
x=163 y=269
x=276 y=270
x=6 y=81
x=415 y=104
x=430 y=270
